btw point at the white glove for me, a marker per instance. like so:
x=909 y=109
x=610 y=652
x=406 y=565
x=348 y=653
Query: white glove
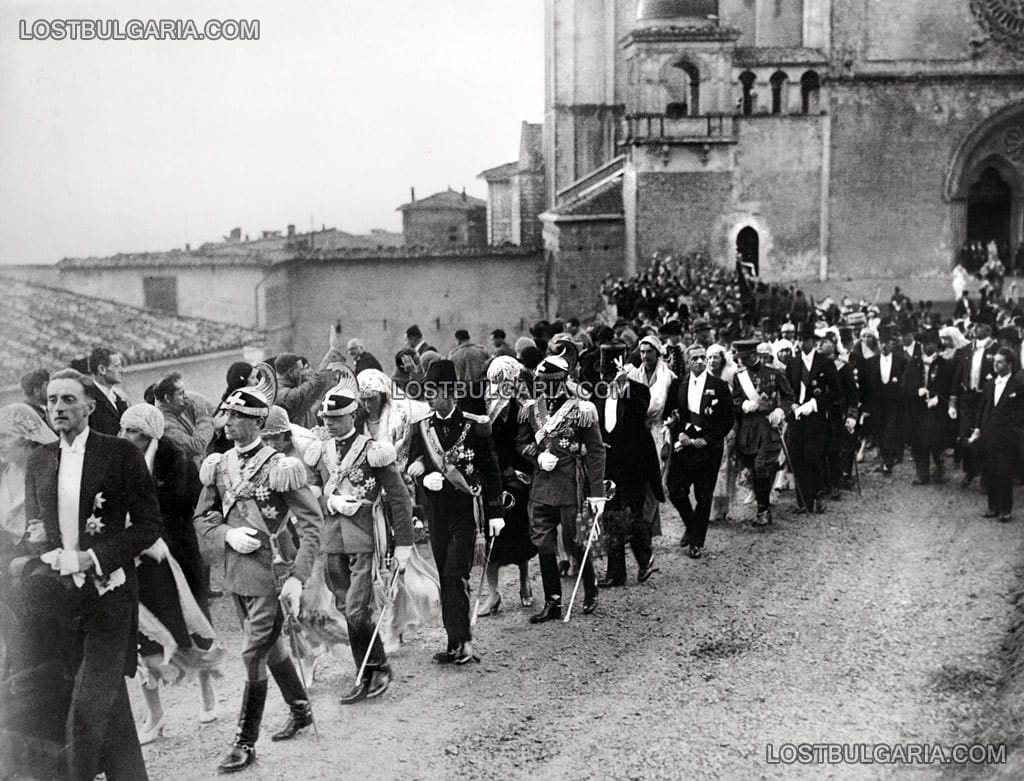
x=496 y=525
x=547 y=461
x=402 y=555
x=750 y=406
x=343 y=505
x=434 y=481
x=922 y=392
x=597 y=503
x=242 y=539
x=809 y=407
x=415 y=469
x=952 y=412
x=933 y=401
x=975 y=436
x=291 y=594
x=776 y=416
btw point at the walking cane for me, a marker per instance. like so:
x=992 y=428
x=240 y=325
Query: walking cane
x=595 y=530
x=508 y=501
x=856 y=474
x=796 y=483
x=389 y=597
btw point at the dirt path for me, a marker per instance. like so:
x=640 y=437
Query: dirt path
x=878 y=622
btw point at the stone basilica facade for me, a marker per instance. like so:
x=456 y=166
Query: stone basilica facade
x=817 y=139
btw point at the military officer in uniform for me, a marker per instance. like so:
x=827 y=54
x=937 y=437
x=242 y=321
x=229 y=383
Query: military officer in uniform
x=248 y=493
x=762 y=397
x=452 y=458
x=353 y=469
x=562 y=436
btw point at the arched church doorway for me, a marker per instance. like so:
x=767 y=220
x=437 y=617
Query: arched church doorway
x=748 y=246
x=989 y=203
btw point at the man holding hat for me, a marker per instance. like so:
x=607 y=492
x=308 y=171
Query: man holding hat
x=927 y=386
x=560 y=435
x=761 y=397
x=701 y=415
x=452 y=459
x=815 y=384
x=248 y=494
x=972 y=370
x=352 y=470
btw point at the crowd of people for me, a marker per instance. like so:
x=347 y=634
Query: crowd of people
x=311 y=483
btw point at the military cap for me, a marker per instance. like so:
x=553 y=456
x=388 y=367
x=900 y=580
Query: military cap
x=247 y=401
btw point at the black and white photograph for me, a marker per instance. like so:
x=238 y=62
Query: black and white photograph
x=511 y=389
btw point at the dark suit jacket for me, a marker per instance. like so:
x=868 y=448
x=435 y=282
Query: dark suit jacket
x=106 y=418
x=715 y=420
x=630 y=457
x=962 y=369
x=1000 y=425
x=115 y=483
x=874 y=392
x=822 y=381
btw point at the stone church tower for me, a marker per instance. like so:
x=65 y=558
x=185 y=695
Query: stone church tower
x=817 y=139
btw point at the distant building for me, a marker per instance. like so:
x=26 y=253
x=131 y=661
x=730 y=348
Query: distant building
x=445 y=219
x=515 y=193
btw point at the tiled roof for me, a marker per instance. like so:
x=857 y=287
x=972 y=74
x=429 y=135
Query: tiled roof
x=47 y=327
x=603 y=199
x=500 y=172
x=259 y=253
x=447 y=199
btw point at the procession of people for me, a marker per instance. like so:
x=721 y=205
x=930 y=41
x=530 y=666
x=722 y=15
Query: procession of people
x=701 y=386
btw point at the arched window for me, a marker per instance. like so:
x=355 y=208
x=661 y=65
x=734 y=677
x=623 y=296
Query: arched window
x=748 y=250
x=747 y=80
x=685 y=102
x=778 y=82
x=810 y=91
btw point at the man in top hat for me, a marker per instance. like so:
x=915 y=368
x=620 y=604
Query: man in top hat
x=700 y=414
x=560 y=434
x=842 y=419
x=882 y=386
x=248 y=494
x=927 y=385
x=83 y=488
x=761 y=397
x=452 y=459
x=631 y=462
x=353 y=470
x=972 y=370
x=997 y=433
x=815 y=383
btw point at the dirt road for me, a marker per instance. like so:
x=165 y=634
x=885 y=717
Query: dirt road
x=878 y=622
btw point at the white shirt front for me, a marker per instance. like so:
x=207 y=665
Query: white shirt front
x=69 y=488
x=611 y=411
x=885 y=367
x=976 y=358
x=695 y=390
x=808 y=361
x=1000 y=387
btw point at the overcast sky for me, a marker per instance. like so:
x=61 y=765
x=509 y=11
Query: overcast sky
x=340 y=107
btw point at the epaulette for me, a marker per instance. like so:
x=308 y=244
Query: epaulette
x=481 y=423
x=208 y=471
x=313 y=452
x=586 y=413
x=380 y=454
x=286 y=473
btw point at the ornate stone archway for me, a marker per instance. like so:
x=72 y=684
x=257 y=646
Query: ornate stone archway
x=996 y=144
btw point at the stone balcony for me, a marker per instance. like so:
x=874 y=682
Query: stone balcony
x=637 y=129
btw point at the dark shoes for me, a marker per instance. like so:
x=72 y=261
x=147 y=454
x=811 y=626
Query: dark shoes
x=463 y=657
x=552 y=611
x=445 y=657
x=1005 y=518
x=695 y=552
x=685 y=542
x=763 y=518
x=238 y=757
x=589 y=604
x=563 y=568
x=610 y=582
x=644 y=575
x=300 y=718
x=373 y=684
